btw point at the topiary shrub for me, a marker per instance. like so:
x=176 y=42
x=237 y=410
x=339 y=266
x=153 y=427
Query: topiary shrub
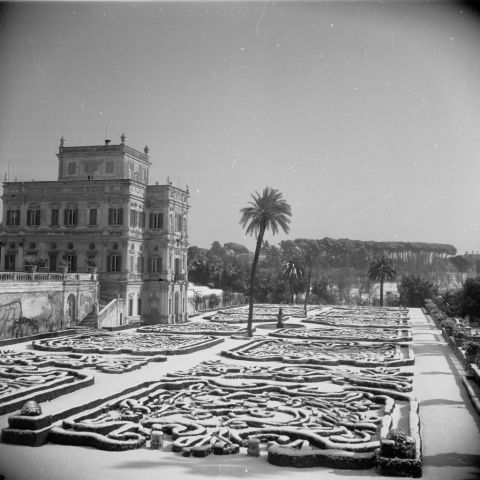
x=398 y=457
x=448 y=325
x=399 y=446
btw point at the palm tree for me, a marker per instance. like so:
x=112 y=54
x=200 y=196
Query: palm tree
x=268 y=211
x=311 y=256
x=293 y=270
x=381 y=269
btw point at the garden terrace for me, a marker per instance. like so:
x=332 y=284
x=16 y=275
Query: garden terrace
x=129 y=343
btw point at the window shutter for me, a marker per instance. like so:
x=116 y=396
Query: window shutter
x=109 y=263
x=37 y=217
x=120 y=216
x=119 y=263
x=160 y=220
x=65 y=216
x=110 y=216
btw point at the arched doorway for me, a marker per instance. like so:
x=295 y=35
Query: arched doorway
x=71 y=310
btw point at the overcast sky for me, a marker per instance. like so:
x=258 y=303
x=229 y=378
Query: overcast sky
x=365 y=115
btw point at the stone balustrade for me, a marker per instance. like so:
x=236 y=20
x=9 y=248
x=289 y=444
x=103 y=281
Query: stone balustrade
x=45 y=277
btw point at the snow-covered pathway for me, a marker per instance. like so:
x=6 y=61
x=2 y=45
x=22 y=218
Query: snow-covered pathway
x=450 y=426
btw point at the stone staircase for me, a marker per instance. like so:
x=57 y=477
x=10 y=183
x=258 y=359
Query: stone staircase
x=90 y=321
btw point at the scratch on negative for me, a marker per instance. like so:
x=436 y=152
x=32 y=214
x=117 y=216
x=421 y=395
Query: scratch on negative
x=261 y=17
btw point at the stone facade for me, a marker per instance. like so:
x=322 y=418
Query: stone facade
x=101 y=212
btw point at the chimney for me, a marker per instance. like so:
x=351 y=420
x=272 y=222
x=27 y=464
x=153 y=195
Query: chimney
x=107 y=142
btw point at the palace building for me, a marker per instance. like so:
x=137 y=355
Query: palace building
x=102 y=213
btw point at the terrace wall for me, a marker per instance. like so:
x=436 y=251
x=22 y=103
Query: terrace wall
x=37 y=306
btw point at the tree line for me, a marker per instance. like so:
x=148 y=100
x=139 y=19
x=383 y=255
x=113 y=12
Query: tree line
x=327 y=271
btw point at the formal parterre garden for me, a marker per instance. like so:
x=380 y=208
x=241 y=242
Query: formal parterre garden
x=328 y=396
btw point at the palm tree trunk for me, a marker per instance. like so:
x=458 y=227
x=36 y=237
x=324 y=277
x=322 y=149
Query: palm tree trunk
x=307 y=293
x=252 y=279
x=381 y=291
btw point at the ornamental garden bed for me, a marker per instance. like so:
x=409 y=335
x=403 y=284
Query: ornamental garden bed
x=77 y=361
x=194 y=328
x=344 y=333
x=236 y=318
x=359 y=322
x=301 y=424
x=128 y=343
x=324 y=353
x=20 y=383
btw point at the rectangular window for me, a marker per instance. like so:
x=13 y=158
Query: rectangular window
x=109 y=166
x=33 y=217
x=71 y=168
x=139 y=306
x=133 y=218
x=70 y=216
x=140 y=264
x=92 y=220
x=132 y=263
x=114 y=263
x=52 y=262
x=54 y=218
x=156 y=264
x=13 y=218
x=141 y=220
x=115 y=216
x=178 y=223
x=130 y=307
x=177 y=269
x=72 y=262
x=156 y=220
x=10 y=262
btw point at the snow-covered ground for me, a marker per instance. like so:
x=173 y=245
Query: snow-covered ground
x=450 y=428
